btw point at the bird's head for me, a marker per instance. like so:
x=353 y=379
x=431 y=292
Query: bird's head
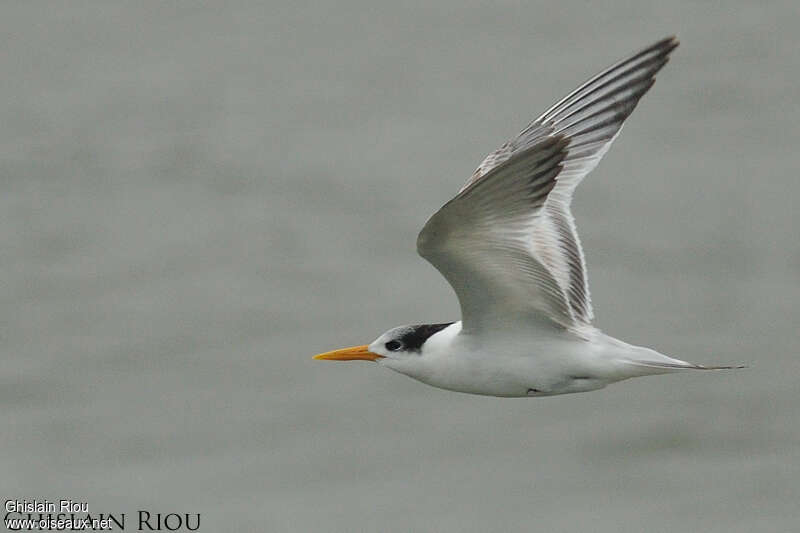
x=397 y=348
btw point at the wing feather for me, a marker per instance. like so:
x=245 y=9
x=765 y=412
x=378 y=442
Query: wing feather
x=507 y=242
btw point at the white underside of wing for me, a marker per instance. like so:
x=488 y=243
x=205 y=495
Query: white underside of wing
x=480 y=241
x=507 y=242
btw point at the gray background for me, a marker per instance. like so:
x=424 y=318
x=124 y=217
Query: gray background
x=195 y=199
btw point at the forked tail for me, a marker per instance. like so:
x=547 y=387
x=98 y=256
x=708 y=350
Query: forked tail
x=649 y=361
x=684 y=365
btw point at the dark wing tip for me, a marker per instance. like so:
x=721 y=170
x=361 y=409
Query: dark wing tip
x=670 y=41
x=666 y=45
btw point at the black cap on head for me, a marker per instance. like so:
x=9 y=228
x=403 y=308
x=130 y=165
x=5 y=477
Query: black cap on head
x=413 y=337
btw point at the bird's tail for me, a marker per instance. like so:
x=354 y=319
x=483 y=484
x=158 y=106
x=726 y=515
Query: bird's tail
x=683 y=365
x=649 y=361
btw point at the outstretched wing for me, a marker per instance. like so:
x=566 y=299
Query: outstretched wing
x=507 y=242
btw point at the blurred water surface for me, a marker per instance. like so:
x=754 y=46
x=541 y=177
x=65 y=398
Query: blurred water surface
x=195 y=198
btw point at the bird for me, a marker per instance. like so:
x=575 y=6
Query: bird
x=507 y=244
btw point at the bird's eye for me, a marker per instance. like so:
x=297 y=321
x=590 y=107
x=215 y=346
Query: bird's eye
x=393 y=346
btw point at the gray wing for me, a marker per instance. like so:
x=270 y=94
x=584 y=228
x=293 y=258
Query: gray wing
x=507 y=242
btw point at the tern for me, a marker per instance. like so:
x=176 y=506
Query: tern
x=508 y=246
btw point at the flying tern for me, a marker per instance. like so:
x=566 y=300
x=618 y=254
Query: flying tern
x=507 y=245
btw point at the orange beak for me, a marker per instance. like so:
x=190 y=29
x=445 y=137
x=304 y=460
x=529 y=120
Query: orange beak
x=350 y=354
